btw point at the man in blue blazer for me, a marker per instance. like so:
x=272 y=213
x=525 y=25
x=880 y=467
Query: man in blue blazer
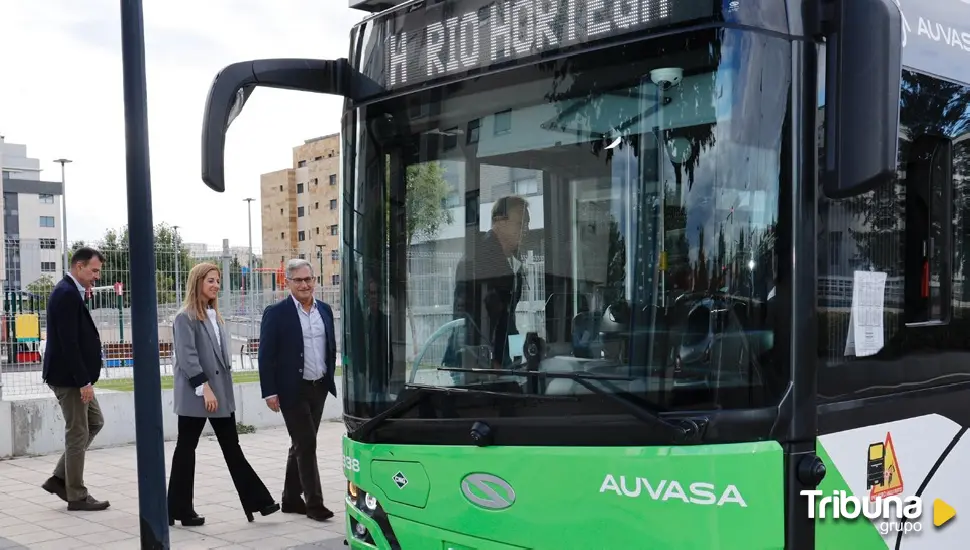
x=72 y=365
x=297 y=358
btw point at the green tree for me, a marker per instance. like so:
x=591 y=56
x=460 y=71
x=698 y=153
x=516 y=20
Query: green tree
x=235 y=274
x=42 y=287
x=169 y=250
x=425 y=193
x=425 y=212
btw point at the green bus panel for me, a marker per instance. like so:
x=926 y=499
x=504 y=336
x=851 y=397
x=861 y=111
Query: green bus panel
x=453 y=497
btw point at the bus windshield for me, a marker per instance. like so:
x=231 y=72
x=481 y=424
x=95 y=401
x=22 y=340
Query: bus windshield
x=611 y=213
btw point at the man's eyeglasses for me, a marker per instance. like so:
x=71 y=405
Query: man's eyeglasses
x=303 y=281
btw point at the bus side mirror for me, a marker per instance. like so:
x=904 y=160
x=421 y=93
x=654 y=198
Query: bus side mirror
x=863 y=77
x=234 y=84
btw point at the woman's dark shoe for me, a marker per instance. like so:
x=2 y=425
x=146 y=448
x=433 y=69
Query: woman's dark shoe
x=264 y=511
x=195 y=520
x=295 y=507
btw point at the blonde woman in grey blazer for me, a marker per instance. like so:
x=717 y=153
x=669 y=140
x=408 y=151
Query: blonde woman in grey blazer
x=203 y=391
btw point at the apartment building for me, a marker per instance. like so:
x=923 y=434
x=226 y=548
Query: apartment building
x=301 y=208
x=31 y=226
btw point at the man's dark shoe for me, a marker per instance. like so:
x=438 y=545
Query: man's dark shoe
x=88 y=505
x=56 y=486
x=295 y=507
x=320 y=515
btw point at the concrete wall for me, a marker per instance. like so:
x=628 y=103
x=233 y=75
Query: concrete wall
x=36 y=426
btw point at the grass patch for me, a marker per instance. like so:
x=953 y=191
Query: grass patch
x=244 y=428
x=168 y=381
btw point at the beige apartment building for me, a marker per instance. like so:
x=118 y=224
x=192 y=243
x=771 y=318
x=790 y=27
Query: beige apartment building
x=301 y=208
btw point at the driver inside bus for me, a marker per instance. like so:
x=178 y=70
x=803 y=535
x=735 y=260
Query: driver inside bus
x=488 y=284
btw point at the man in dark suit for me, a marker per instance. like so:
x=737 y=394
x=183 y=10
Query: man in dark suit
x=297 y=358
x=488 y=281
x=72 y=365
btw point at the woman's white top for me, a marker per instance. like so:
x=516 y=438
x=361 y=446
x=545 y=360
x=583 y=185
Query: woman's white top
x=215 y=325
x=214 y=321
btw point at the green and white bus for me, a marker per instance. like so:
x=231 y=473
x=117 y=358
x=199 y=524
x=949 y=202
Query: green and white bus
x=649 y=273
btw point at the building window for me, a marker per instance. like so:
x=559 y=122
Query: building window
x=318 y=158
x=334 y=255
x=47 y=221
x=281 y=188
x=472 y=133
x=333 y=204
x=301 y=164
x=299 y=212
x=316 y=181
x=333 y=179
x=302 y=256
x=333 y=229
x=525 y=181
x=835 y=247
x=335 y=280
x=281 y=234
x=451 y=139
x=48 y=267
x=46 y=199
x=316 y=206
x=503 y=122
x=281 y=211
x=48 y=244
x=451 y=200
x=318 y=230
x=526 y=187
x=299 y=188
x=301 y=236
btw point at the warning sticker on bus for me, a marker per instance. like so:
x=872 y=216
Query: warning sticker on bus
x=883 y=475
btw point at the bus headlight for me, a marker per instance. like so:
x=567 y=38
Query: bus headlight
x=368 y=504
x=360 y=530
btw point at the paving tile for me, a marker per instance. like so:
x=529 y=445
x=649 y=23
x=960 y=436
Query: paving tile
x=30 y=538
x=31 y=518
x=125 y=544
x=84 y=528
x=68 y=543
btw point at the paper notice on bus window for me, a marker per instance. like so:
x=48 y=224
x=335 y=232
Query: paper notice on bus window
x=866 y=334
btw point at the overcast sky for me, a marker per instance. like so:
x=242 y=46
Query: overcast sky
x=61 y=95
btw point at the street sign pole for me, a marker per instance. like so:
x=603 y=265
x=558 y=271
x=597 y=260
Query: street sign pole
x=150 y=447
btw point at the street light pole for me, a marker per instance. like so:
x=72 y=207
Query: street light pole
x=150 y=447
x=64 y=244
x=320 y=257
x=178 y=274
x=249 y=283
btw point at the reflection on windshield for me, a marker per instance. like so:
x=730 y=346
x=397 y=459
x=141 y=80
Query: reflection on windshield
x=619 y=208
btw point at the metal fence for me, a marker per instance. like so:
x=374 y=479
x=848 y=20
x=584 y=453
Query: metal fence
x=245 y=295
x=24 y=339
x=32 y=268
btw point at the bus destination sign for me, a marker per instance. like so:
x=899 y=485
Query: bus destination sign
x=453 y=37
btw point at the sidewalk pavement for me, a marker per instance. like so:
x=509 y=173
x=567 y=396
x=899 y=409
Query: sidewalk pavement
x=32 y=518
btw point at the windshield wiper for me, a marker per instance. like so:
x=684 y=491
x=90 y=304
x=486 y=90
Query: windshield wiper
x=419 y=392
x=684 y=430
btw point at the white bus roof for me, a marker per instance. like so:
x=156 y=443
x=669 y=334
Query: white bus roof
x=375 y=6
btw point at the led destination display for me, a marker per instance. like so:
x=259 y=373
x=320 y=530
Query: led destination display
x=453 y=37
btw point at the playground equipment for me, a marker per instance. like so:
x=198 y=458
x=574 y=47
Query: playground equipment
x=21 y=326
